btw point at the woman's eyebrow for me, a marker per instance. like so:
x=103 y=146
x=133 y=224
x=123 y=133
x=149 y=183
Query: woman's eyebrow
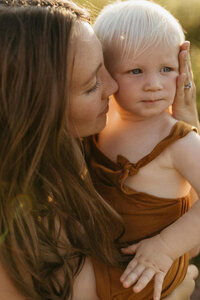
x=93 y=74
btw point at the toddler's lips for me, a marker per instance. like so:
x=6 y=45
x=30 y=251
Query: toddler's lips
x=151 y=101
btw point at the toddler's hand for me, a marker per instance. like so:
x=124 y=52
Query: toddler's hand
x=152 y=259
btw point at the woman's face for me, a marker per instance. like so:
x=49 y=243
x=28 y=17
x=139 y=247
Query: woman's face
x=91 y=84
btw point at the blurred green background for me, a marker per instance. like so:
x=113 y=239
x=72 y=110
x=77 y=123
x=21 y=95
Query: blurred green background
x=187 y=12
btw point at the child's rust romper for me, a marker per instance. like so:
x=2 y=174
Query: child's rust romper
x=144 y=215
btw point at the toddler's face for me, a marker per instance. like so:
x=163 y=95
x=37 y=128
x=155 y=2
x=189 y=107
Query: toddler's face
x=147 y=83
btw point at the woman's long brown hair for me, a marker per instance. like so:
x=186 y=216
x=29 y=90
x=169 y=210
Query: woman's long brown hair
x=50 y=215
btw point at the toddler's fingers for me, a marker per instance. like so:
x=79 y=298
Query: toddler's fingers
x=144 y=279
x=130 y=249
x=133 y=276
x=132 y=265
x=158 y=282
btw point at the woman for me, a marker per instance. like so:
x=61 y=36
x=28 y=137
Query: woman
x=54 y=89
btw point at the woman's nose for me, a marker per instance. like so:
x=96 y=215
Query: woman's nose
x=110 y=85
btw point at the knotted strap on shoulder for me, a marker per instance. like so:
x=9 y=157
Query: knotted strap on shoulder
x=179 y=130
x=115 y=173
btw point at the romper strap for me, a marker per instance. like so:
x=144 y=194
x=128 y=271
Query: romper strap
x=179 y=130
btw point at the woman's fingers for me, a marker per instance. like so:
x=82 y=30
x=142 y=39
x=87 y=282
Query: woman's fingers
x=184 y=96
x=184 y=105
x=183 y=59
x=193 y=271
x=186 y=287
x=185 y=63
x=185 y=45
x=185 y=67
x=180 y=90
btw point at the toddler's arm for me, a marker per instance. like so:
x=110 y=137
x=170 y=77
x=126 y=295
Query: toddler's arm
x=155 y=256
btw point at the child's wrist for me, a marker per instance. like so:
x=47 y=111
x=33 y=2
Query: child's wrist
x=169 y=247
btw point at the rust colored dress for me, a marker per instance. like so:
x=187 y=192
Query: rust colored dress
x=144 y=215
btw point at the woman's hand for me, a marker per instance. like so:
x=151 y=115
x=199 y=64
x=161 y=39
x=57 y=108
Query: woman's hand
x=152 y=260
x=194 y=252
x=186 y=287
x=184 y=106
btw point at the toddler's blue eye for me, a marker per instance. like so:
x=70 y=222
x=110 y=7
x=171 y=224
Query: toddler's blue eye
x=136 y=71
x=166 y=69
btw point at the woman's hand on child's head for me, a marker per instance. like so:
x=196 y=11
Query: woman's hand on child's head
x=184 y=106
x=152 y=260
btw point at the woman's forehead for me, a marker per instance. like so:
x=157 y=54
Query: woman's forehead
x=83 y=42
x=85 y=54
x=82 y=32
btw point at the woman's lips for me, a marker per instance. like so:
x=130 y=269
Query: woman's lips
x=105 y=110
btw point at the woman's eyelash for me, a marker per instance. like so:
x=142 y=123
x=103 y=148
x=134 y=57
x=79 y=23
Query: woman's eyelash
x=94 y=88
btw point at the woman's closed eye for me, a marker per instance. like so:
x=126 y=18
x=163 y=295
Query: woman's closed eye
x=136 y=71
x=166 y=69
x=94 y=88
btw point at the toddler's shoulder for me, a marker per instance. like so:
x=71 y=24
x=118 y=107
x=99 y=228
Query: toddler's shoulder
x=188 y=143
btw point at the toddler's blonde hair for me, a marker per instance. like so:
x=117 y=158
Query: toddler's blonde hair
x=135 y=26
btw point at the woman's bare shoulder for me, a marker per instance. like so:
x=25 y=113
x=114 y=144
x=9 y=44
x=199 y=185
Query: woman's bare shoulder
x=85 y=283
